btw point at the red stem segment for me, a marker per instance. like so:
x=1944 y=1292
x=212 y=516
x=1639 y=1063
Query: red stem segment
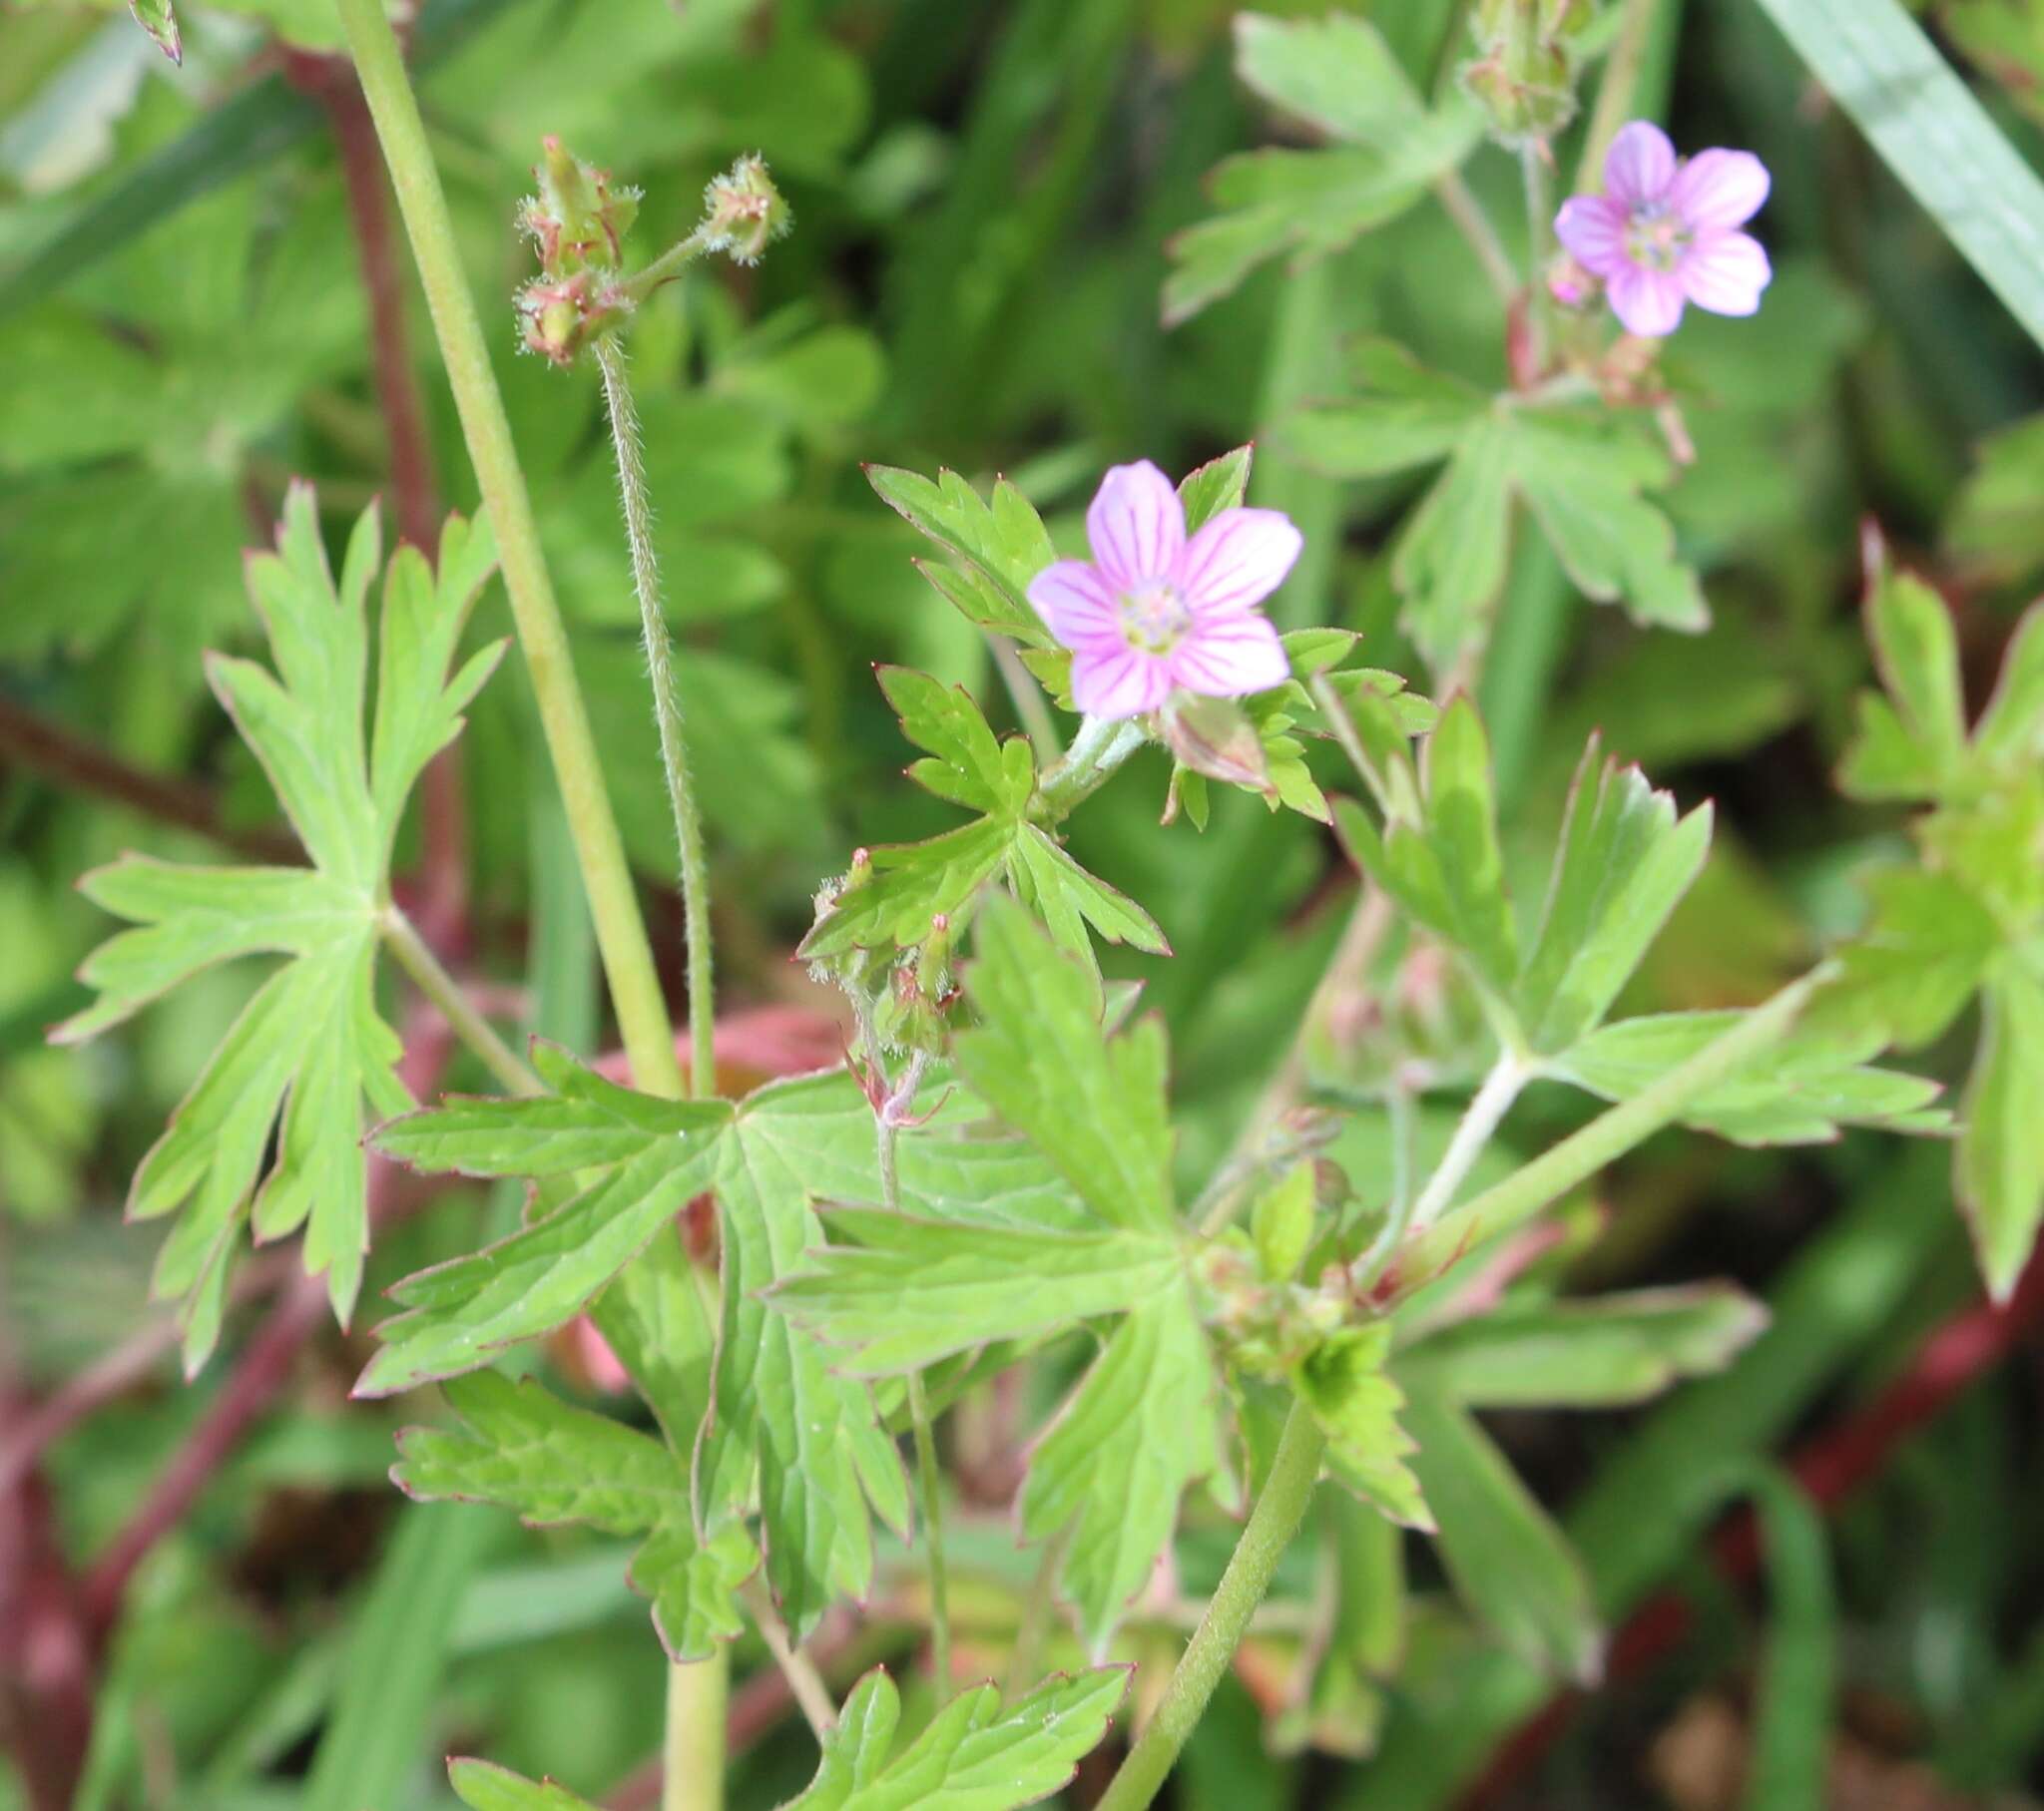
x=1830 y=1467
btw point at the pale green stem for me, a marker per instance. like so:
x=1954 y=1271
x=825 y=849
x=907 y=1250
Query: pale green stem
x=628 y=444
x=1271 y=1523
x=929 y=1479
x=1611 y=1134
x=803 y=1680
x=1404 y=1116
x=1345 y=973
x=1096 y=751
x=1029 y=702
x=667 y=266
x=418 y=960
x=691 y=1756
x=932 y=1481
x=1538 y=174
x=1487 y=1108
x=621 y=932
x=1474 y=225
x=1615 y=92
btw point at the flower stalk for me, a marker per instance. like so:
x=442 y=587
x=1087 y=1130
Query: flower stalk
x=628 y=445
x=599 y=851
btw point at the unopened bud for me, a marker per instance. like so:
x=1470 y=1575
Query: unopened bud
x=1524 y=72
x=580 y=216
x=561 y=318
x=742 y=211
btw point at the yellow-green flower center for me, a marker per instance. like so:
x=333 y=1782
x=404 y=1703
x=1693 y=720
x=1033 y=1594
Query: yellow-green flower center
x=1155 y=619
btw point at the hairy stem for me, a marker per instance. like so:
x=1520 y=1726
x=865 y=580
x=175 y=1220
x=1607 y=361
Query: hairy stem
x=1271 y=1523
x=930 y=1478
x=1615 y=93
x=804 y=1683
x=627 y=443
x=620 y=930
x=1096 y=751
x=692 y=1771
x=1474 y=225
x=1487 y=1108
x=1611 y=1133
x=418 y=961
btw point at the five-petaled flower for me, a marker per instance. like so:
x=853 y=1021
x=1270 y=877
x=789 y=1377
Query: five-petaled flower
x=1155 y=610
x=1666 y=232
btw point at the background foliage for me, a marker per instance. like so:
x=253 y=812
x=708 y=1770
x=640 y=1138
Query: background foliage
x=1033 y=240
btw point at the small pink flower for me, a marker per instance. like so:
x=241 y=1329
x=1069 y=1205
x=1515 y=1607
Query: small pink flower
x=1153 y=610
x=1665 y=232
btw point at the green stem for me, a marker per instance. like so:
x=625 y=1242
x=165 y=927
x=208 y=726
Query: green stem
x=1537 y=171
x=1037 y=722
x=1271 y=1523
x=1025 y=1660
x=621 y=932
x=1611 y=1134
x=1615 y=92
x=803 y=1680
x=1508 y=1076
x=691 y=1755
x=667 y=266
x=418 y=960
x=1474 y=225
x=929 y=1477
x=932 y=1481
x=1096 y=751
x=628 y=444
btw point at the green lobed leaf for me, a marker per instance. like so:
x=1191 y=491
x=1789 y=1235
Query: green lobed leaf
x=1336 y=75
x=909 y=885
x=2000 y=1165
x=894 y=1292
x=1509 y=1562
x=483 y=1786
x=1799 y=1093
x=1004 y=545
x=968 y=769
x=1918 y=961
x=1112 y=1467
x=1624 y=864
x=1345 y=1385
x=2011 y=729
x=782 y=1410
x=159 y=20
x=975 y=1755
x=309 y=1045
x=1219 y=484
x=526 y=1450
x=1094 y=1105
x=462 y=1312
x=1606 y=1352
x=1914 y=746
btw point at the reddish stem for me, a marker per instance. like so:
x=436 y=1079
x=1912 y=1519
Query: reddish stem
x=37 y=746
x=1830 y=1466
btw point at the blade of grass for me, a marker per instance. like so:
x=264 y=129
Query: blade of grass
x=1878 y=65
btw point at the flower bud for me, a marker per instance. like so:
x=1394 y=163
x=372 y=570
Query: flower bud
x=742 y=211
x=579 y=218
x=562 y=317
x=1524 y=72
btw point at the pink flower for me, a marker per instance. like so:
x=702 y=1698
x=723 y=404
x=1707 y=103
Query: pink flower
x=1153 y=610
x=1665 y=232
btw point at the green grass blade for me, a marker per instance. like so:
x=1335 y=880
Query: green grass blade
x=1886 y=73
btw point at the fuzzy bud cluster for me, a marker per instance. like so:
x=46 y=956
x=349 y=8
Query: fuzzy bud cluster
x=743 y=213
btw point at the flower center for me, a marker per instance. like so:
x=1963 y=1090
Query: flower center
x=1155 y=619
x=1656 y=236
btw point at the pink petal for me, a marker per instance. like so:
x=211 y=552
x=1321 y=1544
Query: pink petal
x=1137 y=526
x=1230 y=657
x=1076 y=602
x=1591 y=230
x=1638 y=165
x=1725 y=273
x=1647 y=302
x=1238 y=560
x=1717 y=189
x=1117 y=683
